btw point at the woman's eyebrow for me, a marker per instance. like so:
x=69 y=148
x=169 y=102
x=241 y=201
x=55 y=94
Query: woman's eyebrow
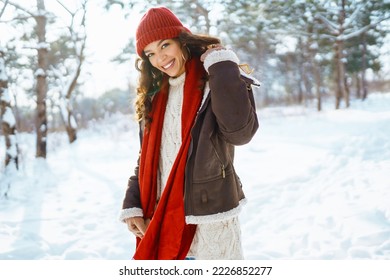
x=158 y=44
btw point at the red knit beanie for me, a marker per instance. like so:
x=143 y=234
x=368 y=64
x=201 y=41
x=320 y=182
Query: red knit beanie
x=157 y=24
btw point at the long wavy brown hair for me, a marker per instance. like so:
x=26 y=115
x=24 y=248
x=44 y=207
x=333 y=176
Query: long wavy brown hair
x=150 y=78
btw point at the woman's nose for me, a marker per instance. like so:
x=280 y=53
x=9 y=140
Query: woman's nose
x=161 y=57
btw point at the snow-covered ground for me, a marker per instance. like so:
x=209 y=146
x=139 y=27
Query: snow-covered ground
x=318 y=187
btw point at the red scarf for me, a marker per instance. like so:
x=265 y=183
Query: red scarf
x=168 y=237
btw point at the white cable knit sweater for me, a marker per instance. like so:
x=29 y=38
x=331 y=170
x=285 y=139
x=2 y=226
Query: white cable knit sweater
x=171 y=131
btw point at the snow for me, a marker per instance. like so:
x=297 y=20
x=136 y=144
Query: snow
x=39 y=72
x=43 y=45
x=12 y=150
x=65 y=113
x=8 y=117
x=317 y=183
x=5 y=96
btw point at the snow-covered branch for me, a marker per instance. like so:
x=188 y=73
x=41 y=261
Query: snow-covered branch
x=63 y=6
x=350 y=20
x=17 y=6
x=3 y=9
x=333 y=27
x=8 y=116
x=16 y=18
x=40 y=73
x=345 y=37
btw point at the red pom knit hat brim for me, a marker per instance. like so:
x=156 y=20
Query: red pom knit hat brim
x=157 y=24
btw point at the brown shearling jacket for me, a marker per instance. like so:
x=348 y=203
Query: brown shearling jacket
x=227 y=118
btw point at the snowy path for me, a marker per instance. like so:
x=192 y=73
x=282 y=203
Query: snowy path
x=318 y=187
x=71 y=209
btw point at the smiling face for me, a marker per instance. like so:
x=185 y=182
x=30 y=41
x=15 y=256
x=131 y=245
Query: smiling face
x=167 y=56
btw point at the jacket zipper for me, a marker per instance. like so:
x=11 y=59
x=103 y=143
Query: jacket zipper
x=223 y=172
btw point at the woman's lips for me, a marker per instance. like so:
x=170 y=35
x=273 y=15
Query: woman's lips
x=167 y=66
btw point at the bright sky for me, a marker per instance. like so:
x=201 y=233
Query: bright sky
x=108 y=32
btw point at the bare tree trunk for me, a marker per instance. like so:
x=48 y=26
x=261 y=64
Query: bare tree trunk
x=317 y=78
x=8 y=124
x=314 y=67
x=302 y=89
x=289 y=81
x=358 y=85
x=71 y=127
x=68 y=119
x=341 y=91
x=339 y=75
x=347 y=91
x=72 y=134
x=301 y=84
x=364 y=67
x=41 y=118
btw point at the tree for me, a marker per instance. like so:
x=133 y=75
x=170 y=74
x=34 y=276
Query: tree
x=242 y=26
x=69 y=47
x=8 y=125
x=57 y=66
x=363 y=50
x=40 y=17
x=40 y=74
x=321 y=33
x=340 y=20
x=316 y=26
x=293 y=23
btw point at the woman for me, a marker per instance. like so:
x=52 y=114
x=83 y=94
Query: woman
x=193 y=107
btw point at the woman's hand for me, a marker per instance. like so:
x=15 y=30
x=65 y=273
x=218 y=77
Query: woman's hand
x=137 y=225
x=210 y=49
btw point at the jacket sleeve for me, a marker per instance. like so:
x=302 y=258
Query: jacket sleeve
x=232 y=98
x=131 y=206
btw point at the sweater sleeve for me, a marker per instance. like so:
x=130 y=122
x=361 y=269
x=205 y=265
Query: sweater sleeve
x=232 y=98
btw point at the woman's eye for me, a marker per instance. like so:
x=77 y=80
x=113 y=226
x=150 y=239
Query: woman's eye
x=149 y=55
x=165 y=45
